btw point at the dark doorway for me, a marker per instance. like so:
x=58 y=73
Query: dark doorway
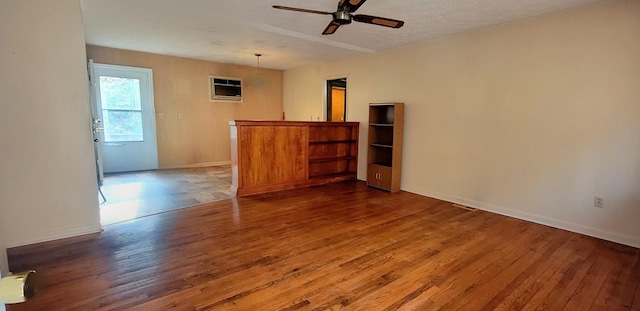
x=337 y=100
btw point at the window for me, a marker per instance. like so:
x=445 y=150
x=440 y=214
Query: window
x=121 y=109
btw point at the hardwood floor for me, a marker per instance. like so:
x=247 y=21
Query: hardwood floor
x=339 y=246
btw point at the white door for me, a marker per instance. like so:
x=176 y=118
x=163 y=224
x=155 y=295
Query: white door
x=124 y=99
x=96 y=124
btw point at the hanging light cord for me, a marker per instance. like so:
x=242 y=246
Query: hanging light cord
x=258 y=57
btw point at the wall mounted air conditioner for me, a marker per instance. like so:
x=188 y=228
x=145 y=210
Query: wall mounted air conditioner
x=225 y=89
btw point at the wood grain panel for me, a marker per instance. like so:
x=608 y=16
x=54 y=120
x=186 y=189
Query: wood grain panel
x=398 y=121
x=340 y=246
x=338 y=149
x=329 y=167
x=327 y=133
x=273 y=154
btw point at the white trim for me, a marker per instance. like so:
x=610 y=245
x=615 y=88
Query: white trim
x=130 y=68
x=56 y=235
x=539 y=219
x=97 y=146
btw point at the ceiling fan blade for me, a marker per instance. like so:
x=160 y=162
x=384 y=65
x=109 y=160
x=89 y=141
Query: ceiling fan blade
x=350 y=5
x=300 y=10
x=381 y=21
x=331 y=28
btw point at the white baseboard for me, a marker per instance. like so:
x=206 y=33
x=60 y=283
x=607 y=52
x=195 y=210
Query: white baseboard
x=556 y=223
x=55 y=235
x=203 y=164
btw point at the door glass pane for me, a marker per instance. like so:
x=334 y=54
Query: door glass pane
x=122 y=125
x=121 y=109
x=120 y=93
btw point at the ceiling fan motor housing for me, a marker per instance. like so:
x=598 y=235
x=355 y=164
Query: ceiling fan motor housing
x=342 y=17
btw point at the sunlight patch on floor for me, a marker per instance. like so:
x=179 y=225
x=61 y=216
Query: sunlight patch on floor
x=118 y=212
x=138 y=194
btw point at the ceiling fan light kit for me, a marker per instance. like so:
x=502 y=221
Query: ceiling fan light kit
x=343 y=16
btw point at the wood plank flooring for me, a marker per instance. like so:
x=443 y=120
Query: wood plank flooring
x=340 y=246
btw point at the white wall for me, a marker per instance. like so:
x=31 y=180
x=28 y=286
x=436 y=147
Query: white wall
x=4 y=263
x=47 y=182
x=2 y=305
x=4 y=269
x=530 y=119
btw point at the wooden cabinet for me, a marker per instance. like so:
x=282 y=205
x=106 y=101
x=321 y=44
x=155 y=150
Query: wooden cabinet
x=379 y=176
x=276 y=155
x=384 y=157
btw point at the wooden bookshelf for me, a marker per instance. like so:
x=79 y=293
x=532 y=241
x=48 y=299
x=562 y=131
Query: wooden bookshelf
x=384 y=157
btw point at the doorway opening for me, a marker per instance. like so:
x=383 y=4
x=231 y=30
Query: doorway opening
x=336 y=100
x=123 y=100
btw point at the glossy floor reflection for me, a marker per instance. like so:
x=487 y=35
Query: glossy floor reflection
x=139 y=194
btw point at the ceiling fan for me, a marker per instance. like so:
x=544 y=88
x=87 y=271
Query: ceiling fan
x=343 y=16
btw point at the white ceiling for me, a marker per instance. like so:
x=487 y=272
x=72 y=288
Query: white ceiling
x=232 y=31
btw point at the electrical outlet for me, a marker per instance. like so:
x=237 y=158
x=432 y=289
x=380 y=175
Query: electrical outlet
x=598 y=201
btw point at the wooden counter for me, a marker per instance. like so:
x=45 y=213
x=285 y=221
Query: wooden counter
x=270 y=156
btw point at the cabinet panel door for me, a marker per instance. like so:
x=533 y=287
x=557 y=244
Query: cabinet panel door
x=379 y=176
x=372 y=175
x=273 y=154
x=385 y=177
